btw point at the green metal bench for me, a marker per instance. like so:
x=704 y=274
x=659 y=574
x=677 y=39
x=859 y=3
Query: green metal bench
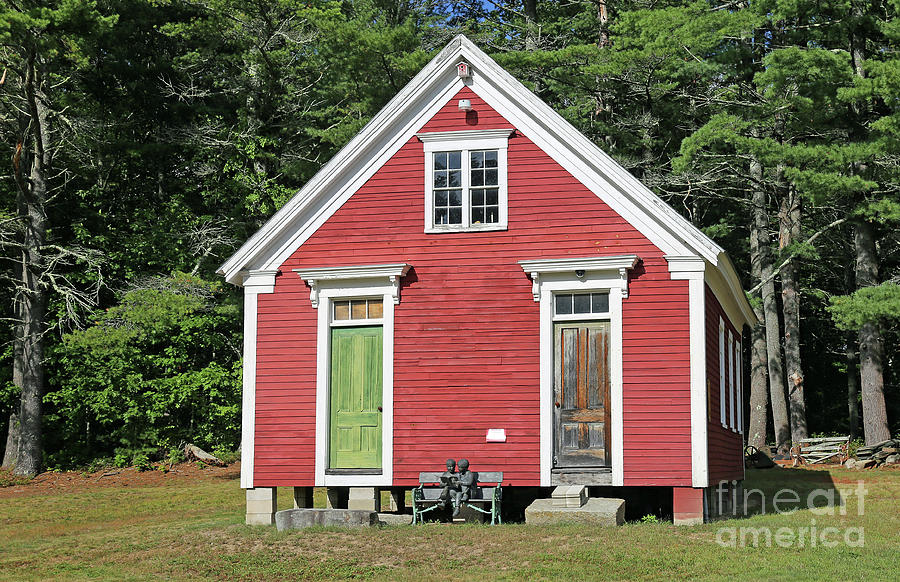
x=485 y=499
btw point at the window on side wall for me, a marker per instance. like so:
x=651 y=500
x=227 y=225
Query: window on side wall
x=722 y=417
x=466 y=180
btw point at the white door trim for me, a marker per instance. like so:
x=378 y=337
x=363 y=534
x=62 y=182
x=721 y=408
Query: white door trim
x=367 y=285
x=552 y=279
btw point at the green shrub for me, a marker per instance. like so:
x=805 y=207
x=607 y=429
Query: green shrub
x=123 y=458
x=226 y=455
x=141 y=462
x=159 y=368
x=176 y=455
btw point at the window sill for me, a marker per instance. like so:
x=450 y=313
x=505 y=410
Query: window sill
x=452 y=229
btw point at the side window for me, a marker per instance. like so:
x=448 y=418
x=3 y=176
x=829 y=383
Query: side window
x=722 y=417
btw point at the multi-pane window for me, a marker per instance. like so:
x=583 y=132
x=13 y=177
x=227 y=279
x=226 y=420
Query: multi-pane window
x=466 y=187
x=358 y=309
x=447 y=188
x=581 y=303
x=465 y=180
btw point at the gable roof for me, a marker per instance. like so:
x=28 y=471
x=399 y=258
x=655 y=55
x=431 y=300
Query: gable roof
x=412 y=107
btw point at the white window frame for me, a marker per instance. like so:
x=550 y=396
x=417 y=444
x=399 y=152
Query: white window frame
x=732 y=388
x=722 y=417
x=358 y=282
x=739 y=375
x=552 y=276
x=604 y=316
x=466 y=141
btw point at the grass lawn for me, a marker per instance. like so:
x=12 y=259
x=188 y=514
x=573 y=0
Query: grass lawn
x=192 y=528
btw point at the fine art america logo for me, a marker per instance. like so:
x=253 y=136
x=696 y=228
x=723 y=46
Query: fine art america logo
x=819 y=502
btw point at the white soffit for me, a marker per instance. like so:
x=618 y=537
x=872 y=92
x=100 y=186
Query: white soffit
x=411 y=108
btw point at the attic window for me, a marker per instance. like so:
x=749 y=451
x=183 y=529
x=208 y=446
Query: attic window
x=465 y=180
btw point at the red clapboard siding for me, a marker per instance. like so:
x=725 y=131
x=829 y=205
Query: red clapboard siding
x=466 y=332
x=725 y=446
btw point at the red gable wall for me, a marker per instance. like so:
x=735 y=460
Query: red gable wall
x=466 y=354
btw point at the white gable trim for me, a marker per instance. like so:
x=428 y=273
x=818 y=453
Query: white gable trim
x=416 y=103
x=349 y=169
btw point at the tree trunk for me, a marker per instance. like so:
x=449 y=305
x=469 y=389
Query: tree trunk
x=603 y=18
x=11 y=452
x=871 y=344
x=852 y=359
x=531 y=29
x=759 y=394
x=31 y=294
x=790 y=234
x=760 y=231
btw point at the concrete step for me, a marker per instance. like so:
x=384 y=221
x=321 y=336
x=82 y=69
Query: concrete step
x=602 y=511
x=303 y=518
x=569 y=496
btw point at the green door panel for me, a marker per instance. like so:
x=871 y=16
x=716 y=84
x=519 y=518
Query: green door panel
x=356 y=391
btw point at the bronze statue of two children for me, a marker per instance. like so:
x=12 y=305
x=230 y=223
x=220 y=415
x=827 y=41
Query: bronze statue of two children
x=457 y=487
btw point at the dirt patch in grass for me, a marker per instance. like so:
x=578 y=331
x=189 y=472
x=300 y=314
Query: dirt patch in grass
x=78 y=481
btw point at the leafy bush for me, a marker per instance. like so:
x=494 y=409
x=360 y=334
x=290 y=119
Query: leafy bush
x=226 y=455
x=159 y=368
x=176 y=455
x=141 y=462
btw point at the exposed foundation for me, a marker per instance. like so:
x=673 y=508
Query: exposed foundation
x=687 y=505
x=262 y=503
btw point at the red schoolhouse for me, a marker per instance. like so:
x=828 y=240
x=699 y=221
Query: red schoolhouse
x=472 y=277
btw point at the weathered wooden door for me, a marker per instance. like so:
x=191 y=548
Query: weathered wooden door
x=356 y=391
x=581 y=394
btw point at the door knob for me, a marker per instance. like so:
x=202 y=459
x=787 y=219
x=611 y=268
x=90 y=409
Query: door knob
x=557 y=404
x=380 y=410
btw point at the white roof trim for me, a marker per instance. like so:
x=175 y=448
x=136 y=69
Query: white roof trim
x=414 y=105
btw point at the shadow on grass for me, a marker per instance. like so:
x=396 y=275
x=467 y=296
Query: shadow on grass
x=782 y=489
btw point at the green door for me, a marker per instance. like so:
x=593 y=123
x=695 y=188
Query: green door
x=356 y=358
